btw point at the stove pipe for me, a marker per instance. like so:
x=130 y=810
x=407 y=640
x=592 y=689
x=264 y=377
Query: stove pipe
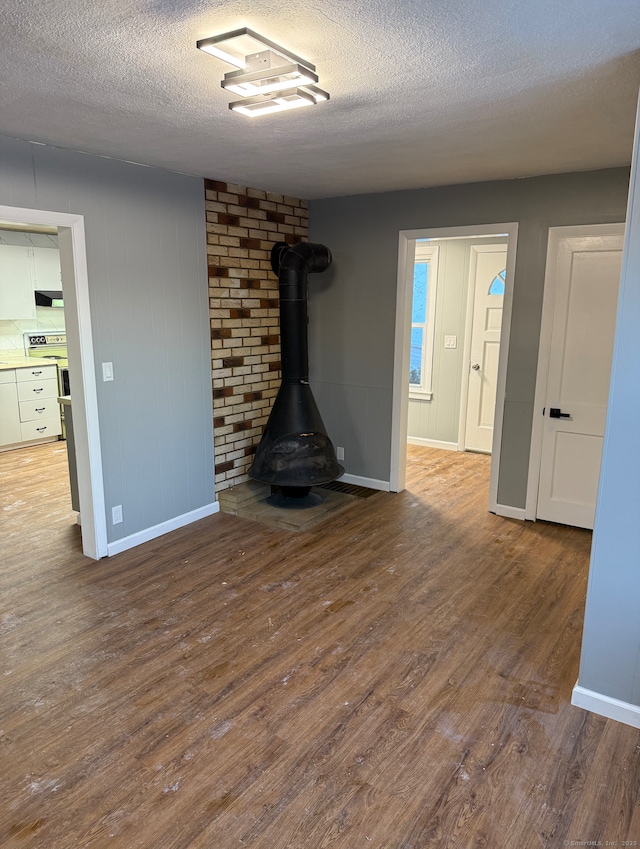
x=295 y=452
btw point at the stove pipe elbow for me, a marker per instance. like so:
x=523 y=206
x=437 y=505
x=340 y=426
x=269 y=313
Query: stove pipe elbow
x=296 y=262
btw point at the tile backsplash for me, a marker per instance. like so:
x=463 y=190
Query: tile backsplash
x=47 y=319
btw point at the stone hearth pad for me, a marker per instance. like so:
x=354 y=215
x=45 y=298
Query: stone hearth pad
x=249 y=501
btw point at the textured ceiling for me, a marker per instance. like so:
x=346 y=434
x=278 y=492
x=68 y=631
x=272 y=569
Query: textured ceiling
x=422 y=93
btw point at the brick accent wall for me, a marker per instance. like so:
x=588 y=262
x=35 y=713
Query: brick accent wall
x=242 y=225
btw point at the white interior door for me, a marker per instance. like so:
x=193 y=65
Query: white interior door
x=484 y=349
x=585 y=294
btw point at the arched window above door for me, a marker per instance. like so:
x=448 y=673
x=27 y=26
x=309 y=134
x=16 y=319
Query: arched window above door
x=497 y=284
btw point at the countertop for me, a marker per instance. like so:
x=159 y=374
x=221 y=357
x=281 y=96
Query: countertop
x=23 y=362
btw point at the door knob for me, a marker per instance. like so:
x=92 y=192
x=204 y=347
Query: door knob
x=556 y=413
x=476 y=366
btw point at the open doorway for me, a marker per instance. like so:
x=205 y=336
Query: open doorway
x=454 y=299
x=71 y=244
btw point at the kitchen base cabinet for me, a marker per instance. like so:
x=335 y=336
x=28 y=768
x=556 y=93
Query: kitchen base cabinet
x=10 y=430
x=40 y=429
x=35 y=390
x=29 y=410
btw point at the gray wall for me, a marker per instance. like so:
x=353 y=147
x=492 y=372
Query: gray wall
x=610 y=663
x=438 y=418
x=146 y=258
x=352 y=306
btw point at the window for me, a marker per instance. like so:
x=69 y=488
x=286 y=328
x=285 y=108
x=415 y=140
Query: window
x=425 y=274
x=497 y=284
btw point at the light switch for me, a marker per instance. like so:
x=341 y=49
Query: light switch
x=450 y=341
x=107 y=371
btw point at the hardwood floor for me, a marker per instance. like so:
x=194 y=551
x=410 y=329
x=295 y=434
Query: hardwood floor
x=397 y=677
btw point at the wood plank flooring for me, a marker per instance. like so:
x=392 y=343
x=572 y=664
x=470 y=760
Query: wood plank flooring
x=397 y=677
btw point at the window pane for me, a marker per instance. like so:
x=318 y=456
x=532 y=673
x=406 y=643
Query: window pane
x=415 y=362
x=419 y=313
x=497 y=284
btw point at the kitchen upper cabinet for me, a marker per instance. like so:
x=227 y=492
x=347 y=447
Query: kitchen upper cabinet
x=16 y=283
x=46 y=263
x=22 y=271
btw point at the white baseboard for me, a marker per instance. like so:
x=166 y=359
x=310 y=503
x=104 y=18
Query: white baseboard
x=606 y=706
x=432 y=443
x=509 y=512
x=372 y=483
x=163 y=528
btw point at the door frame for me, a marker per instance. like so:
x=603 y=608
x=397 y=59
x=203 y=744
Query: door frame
x=73 y=261
x=468 y=327
x=404 y=294
x=544 y=347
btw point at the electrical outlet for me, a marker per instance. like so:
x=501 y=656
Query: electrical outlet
x=340 y=452
x=116 y=514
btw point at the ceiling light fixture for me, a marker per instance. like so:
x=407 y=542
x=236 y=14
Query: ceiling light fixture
x=265 y=68
x=254 y=106
x=279 y=101
x=235 y=47
x=268 y=80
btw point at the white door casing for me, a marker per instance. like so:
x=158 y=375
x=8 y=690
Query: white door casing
x=400 y=401
x=482 y=348
x=75 y=284
x=579 y=314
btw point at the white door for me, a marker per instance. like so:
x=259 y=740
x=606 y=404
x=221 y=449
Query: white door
x=486 y=322
x=587 y=276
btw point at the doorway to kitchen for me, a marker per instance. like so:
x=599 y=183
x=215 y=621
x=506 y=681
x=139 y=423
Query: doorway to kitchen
x=451 y=395
x=71 y=243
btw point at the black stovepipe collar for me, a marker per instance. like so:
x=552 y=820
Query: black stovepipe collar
x=293 y=263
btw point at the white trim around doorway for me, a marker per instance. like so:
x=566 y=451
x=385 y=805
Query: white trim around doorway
x=544 y=348
x=73 y=260
x=400 y=402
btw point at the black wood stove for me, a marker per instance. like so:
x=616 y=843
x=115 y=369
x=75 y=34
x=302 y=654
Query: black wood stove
x=295 y=452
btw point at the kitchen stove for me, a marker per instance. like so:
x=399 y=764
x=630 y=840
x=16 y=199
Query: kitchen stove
x=47 y=346
x=51 y=346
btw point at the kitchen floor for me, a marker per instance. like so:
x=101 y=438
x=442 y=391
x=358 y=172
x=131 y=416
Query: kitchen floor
x=35 y=503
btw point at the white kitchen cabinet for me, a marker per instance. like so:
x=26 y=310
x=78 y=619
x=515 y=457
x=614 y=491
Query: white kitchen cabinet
x=33 y=390
x=46 y=264
x=41 y=429
x=17 y=300
x=10 y=430
x=40 y=408
x=28 y=406
x=47 y=372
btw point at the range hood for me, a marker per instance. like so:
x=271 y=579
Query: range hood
x=48 y=298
